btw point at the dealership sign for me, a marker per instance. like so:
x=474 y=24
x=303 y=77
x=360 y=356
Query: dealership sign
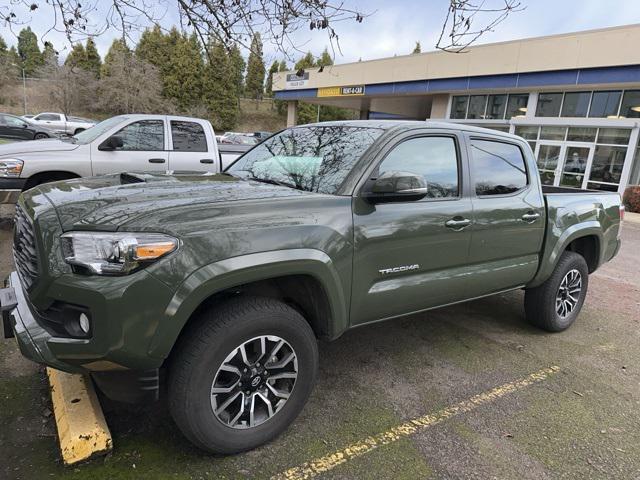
x=297 y=81
x=350 y=91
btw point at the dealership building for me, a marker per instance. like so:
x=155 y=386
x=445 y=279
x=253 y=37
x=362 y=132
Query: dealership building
x=575 y=97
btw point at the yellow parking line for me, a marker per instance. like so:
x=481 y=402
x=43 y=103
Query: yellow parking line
x=328 y=462
x=82 y=429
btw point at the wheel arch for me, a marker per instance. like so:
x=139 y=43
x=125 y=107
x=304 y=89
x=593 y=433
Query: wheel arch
x=49 y=176
x=304 y=278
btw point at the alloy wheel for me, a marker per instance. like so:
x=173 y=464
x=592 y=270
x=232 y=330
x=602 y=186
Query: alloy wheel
x=568 y=294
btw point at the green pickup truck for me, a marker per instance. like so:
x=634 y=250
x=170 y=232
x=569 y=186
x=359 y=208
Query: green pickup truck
x=220 y=286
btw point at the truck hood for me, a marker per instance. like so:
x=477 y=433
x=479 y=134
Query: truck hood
x=145 y=201
x=35 y=146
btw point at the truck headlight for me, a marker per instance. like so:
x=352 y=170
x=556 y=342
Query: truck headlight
x=105 y=253
x=10 y=167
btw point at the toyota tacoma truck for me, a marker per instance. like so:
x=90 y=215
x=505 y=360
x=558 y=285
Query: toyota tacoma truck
x=219 y=286
x=152 y=143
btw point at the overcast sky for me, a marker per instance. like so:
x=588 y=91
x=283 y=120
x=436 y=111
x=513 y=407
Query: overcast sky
x=394 y=27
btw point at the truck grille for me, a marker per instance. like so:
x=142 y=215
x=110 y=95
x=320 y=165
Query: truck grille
x=24 y=249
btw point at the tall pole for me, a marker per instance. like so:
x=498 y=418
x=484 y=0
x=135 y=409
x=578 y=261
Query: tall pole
x=24 y=91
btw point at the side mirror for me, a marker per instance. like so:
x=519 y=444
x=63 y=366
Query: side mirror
x=396 y=186
x=111 y=143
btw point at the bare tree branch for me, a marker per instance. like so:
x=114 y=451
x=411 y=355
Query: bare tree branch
x=467 y=20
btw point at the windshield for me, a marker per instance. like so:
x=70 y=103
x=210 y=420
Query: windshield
x=98 y=129
x=315 y=159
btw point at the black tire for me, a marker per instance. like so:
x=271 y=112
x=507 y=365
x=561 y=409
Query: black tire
x=540 y=302
x=40 y=136
x=203 y=348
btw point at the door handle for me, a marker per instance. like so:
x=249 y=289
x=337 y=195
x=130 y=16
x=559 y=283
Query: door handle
x=457 y=223
x=530 y=217
x=206 y=160
x=156 y=160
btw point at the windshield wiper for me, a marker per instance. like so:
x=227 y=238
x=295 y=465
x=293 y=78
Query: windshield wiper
x=275 y=182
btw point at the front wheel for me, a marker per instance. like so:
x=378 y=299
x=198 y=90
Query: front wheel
x=555 y=305
x=242 y=374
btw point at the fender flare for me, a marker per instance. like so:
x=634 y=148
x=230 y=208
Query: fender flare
x=549 y=261
x=234 y=271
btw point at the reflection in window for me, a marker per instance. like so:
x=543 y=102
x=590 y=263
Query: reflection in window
x=496 y=107
x=315 y=159
x=498 y=168
x=434 y=158
x=605 y=104
x=477 y=104
x=549 y=104
x=630 y=107
x=188 y=137
x=517 y=105
x=527 y=132
x=145 y=135
x=614 y=136
x=459 y=107
x=634 y=179
x=607 y=164
x=602 y=186
x=548 y=157
x=576 y=104
x=553 y=133
x=581 y=134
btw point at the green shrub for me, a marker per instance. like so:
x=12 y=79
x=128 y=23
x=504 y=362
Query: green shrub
x=631 y=198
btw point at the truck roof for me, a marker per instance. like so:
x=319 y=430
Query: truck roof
x=410 y=124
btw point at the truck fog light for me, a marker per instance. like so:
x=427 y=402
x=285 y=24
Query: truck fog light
x=83 y=320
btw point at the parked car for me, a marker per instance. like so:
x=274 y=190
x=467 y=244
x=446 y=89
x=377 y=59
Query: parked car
x=62 y=123
x=262 y=136
x=16 y=128
x=153 y=143
x=232 y=138
x=219 y=285
x=28 y=117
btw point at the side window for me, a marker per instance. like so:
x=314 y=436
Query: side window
x=145 y=135
x=13 y=121
x=50 y=117
x=435 y=158
x=188 y=137
x=498 y=168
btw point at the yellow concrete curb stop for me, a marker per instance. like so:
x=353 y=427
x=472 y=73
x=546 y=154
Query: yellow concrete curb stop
x=82 y=429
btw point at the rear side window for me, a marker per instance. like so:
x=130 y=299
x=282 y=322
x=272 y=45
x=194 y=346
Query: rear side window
x=188 y=137
x=434 y=158
x=48 y=117
x=498 y=168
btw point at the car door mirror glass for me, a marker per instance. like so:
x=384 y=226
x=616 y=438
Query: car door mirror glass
x=396 y=186
x=112 y=143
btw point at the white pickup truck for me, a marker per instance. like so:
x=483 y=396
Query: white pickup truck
x=61 y=123
x=131 y=143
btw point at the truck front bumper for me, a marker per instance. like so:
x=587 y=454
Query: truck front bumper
x=10 y=189
x=20 y=323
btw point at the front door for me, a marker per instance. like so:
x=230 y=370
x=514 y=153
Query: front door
x=564 y=164
x=412 y=255
x=144 y=149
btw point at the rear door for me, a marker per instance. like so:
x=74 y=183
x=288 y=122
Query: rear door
x=144 y=149
x=508 y=210
x=192 y=146
x=412 y=255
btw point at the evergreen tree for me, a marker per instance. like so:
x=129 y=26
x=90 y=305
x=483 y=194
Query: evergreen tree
x=219 y=92
x=273 y=69
x=325 y=59
x=30 y=55
x=238 y=66
x=49 y=54
x=9 y=63
x=305 y=62
x=418 y=48
x=118 y=47
x=93 y=62
x=182 y=73
x=3 y=46
x=152 y=47
x=255 y=69
x=76 y=57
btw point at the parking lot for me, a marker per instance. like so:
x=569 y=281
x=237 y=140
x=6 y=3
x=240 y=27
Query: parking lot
x=464 y=373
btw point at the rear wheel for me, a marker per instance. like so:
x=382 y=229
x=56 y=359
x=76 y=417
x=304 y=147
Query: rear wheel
x=40 y=136
x=242 y=374
x=555 y=305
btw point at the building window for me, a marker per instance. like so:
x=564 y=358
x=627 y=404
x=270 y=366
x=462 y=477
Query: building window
x=575 y=104
x=614 y=136
x=498 y=168
x=634 y=179
x=549 y=104
x=581 y=134
x=630 y=107
x=496 y=107
x=517 y=105
x=548 y=157
x=607 y=165
x=477 y=105
x=527 y=132
x=553 y=133
x=459 y=107
x=605 y=104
